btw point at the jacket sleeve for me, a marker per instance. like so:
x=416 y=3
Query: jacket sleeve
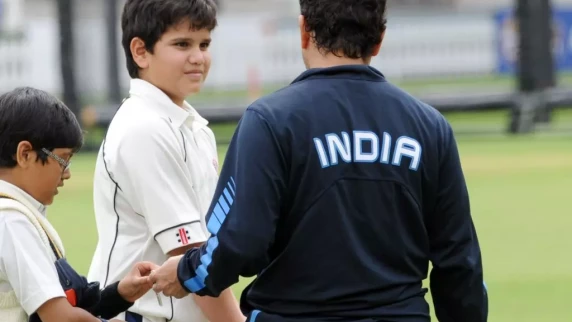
x=456 y=281
x=243 y=214
x=111 y=303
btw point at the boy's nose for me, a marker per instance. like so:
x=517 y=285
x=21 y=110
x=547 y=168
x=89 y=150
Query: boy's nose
x=66 y=175
x=196 y=57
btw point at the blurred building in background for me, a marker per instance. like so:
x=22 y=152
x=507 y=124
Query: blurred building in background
x=257 y=41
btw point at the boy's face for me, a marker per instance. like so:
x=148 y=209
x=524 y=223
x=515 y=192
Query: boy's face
x=180 y=61
x=42 y=180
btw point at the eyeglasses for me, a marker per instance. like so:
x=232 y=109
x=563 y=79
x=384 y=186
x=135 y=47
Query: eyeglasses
x=65 y=164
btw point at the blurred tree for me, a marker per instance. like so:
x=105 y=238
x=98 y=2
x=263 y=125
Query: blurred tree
x=67 y=61
x=113 y=85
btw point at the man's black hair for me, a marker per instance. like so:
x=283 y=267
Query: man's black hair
x=150 y=19
x=29 y=114
x=349 y=28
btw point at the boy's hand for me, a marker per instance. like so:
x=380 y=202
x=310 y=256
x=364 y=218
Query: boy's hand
x=137 y=282
x=165 y=279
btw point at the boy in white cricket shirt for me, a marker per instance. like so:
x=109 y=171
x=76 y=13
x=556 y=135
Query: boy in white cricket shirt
x=156 y=171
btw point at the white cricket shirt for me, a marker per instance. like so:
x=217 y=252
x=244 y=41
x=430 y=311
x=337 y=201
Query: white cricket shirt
x=25 y=267
x=155 y=176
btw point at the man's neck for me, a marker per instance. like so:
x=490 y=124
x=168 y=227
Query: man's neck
x=331 y=60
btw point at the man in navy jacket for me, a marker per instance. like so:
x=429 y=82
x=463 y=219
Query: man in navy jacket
x=337 y=192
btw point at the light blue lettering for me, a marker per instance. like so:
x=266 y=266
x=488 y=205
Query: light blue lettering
x=334 y=148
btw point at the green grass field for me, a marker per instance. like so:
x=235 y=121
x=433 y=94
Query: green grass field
x=519 y=190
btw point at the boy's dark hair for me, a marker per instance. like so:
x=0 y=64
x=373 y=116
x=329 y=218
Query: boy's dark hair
x=349 y=28
x=29 y=114
x=149 y=19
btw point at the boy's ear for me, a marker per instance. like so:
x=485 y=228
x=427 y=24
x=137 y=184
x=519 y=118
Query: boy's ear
x=24 y=154
x=139 y=52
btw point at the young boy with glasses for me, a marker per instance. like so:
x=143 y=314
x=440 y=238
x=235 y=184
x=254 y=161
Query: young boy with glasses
x=38 y=137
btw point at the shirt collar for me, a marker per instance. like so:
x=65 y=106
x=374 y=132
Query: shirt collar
x=363 y=72
x=195 y=119
x=163 y=105
x=21 y=196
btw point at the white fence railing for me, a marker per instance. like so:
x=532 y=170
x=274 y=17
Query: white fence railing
x=14 y=70
x=413 y=47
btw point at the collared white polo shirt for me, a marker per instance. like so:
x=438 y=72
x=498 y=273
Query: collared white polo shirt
x=155 y=176
x=25 y=267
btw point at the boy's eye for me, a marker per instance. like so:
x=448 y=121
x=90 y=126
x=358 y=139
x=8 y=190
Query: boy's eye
x=205 y=45
x=182 y=44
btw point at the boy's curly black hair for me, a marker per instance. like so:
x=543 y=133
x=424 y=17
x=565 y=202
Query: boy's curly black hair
x=350 y=28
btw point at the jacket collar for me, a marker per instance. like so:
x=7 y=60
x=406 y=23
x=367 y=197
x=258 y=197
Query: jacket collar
x=357 y=72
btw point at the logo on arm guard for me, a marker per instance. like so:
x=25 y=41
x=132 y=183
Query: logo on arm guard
x=183 y=235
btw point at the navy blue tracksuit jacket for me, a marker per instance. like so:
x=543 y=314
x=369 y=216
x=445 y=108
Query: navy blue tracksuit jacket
x=337 y=192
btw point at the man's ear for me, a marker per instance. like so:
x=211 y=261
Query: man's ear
x=25 y=154
x=139 y=52
x=304 y=35
x=377 y=48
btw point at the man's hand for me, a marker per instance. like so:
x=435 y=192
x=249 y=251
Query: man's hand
x=137 y=281
x=165 y=279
